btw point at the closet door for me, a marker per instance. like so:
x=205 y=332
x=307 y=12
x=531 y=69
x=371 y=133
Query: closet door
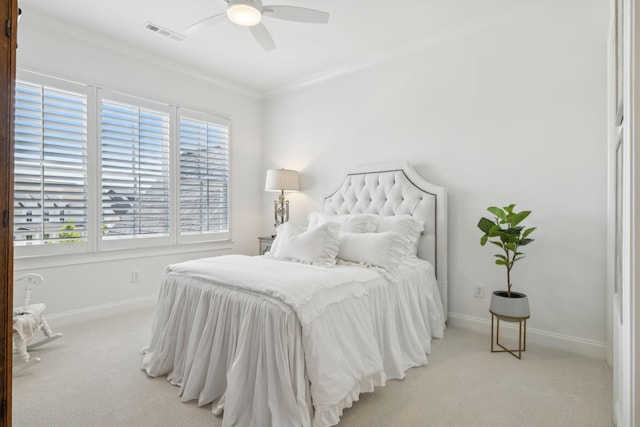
x=8 y=20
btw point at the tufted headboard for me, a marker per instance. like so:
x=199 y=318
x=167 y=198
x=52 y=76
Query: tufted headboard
x=397 y=189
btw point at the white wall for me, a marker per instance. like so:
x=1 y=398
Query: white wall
x=507 y=111
x=104 y=281
x=511 y=110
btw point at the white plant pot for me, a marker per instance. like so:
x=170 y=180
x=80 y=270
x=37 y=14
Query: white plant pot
x=515 y=306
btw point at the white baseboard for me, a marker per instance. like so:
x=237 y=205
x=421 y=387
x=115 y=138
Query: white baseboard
x=575 y=345
x=71 y=317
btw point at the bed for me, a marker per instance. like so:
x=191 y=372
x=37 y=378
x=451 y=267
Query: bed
x=293 y=337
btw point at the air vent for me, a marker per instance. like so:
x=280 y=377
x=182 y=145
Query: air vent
x=164 y=31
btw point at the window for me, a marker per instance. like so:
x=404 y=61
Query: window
x=50 y=181
x=204 y=175
x=134 y=146
x=97 y=170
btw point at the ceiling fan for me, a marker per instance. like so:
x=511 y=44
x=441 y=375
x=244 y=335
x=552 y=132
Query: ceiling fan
x=249 y=13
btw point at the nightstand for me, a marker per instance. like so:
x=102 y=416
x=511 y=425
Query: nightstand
x=265 y=244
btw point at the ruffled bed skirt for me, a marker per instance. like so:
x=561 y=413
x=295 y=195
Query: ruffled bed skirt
x=248 y=355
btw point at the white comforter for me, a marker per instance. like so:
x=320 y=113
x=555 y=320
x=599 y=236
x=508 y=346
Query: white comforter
x=262 y=338
x=306 y=288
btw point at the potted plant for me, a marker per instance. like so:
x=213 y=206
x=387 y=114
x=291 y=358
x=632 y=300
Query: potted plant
x=505 y=232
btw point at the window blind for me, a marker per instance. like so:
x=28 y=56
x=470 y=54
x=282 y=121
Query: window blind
x=204 y=176
x=135 y=171
x=50 y=179
x=95 y=170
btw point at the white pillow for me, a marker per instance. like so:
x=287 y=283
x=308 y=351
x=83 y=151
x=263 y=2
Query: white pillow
x=352 y=223
x=317 y=246
x=407 y=226
x=386 y=249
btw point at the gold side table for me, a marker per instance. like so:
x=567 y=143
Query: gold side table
x=522 y=334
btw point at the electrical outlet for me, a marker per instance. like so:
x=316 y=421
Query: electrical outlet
x=135 y=276
x=478 y=290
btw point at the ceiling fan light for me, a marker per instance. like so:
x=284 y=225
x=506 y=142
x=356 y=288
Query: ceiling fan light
x=244 y=15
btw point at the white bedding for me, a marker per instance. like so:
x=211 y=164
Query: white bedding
x=282 y=280
x=261 y=338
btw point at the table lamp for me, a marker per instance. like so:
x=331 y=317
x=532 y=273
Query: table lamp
x=281 y=180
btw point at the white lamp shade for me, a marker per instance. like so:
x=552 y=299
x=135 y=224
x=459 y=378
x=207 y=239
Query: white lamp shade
x=282 y=180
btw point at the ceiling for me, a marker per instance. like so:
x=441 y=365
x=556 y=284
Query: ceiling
x=357 y=31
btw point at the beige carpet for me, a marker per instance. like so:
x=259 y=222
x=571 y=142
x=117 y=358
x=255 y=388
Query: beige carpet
x=91 y=377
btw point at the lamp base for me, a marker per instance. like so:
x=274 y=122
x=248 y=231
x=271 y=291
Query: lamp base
x=280 y=210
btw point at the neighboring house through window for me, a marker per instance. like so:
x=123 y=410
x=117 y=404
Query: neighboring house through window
x=204 y=175
x=134 y=142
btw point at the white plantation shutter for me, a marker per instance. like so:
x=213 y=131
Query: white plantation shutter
x=97 y=169
x=135 y=170
x=204 y=174
x=50 y=181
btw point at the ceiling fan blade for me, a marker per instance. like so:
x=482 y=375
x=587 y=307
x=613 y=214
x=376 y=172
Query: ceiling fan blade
x=298 y=14
x=206 y=22
x=263 y=37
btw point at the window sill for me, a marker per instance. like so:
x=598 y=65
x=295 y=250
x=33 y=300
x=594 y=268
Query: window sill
x=46 y=261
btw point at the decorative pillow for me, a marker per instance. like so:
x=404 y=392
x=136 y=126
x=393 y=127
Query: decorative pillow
x=407 y=226
x=352 y=223
x=317 y=246
x=276 y=241
x=386 y=249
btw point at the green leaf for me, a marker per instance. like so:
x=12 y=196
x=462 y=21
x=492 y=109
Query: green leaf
x=498 y=244
x=519 y=217
x=524 y=242
x=495 y=231
x=509 y=208
x=497 y=212
x=515 y=230
x=483 y=240
x=502 y=257
x=485 y=225
x=511 y=238
x=528 y=231
x=500 y=262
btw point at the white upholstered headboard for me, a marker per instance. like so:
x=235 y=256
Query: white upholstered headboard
x=397 y=189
